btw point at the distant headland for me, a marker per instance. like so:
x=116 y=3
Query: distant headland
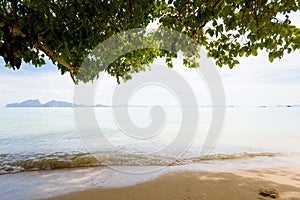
x=52 y=103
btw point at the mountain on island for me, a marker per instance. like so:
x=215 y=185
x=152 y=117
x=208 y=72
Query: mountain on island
x=55 y=103
x=27 y=103
x=52 y=103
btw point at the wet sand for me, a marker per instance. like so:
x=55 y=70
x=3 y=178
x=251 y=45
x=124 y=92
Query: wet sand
x=270 y=183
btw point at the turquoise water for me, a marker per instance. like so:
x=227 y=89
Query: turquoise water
x=47 y=138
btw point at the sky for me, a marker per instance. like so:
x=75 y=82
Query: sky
x=255 y=81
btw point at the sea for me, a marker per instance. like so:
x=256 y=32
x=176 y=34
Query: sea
x=36 y=139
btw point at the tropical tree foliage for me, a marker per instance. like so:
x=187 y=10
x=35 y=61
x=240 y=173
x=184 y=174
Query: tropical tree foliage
x=66 y=31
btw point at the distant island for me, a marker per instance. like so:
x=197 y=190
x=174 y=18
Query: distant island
x=52 y=103
x=55 y=103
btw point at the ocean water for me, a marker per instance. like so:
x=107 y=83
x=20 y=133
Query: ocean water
x=33 y=139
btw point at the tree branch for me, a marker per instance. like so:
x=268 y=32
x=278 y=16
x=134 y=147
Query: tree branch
x=15 y=31
x=118 y=79
x=217 y=4
x=131 y=8
x=72 y=76
x=54 y=59
x=43 y=32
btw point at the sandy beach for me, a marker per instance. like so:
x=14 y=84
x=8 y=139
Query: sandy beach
x=271 y=183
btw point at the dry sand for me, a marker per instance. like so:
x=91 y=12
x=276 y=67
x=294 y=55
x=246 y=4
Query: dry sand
x=278 y=183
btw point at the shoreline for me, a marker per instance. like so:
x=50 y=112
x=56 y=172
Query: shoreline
x=272 y=183
x=51 y=183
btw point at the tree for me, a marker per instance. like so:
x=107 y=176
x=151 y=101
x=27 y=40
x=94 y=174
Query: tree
x=67 y=30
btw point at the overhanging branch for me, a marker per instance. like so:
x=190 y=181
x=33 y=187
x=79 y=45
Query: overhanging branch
x=54 y=58
x=15 y=31
x=57 y=59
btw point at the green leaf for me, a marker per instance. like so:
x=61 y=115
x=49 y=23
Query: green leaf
x=271 y=57
x=210 y=32
x=70 y=30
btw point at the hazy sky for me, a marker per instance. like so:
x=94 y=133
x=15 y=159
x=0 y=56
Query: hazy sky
x=255 y=81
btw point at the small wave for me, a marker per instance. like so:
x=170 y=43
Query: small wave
x=225 y=157
x=10 y=163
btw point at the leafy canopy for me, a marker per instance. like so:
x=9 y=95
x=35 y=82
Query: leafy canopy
x=66 y=31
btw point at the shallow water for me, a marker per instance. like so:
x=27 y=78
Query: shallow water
x=47 y=138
